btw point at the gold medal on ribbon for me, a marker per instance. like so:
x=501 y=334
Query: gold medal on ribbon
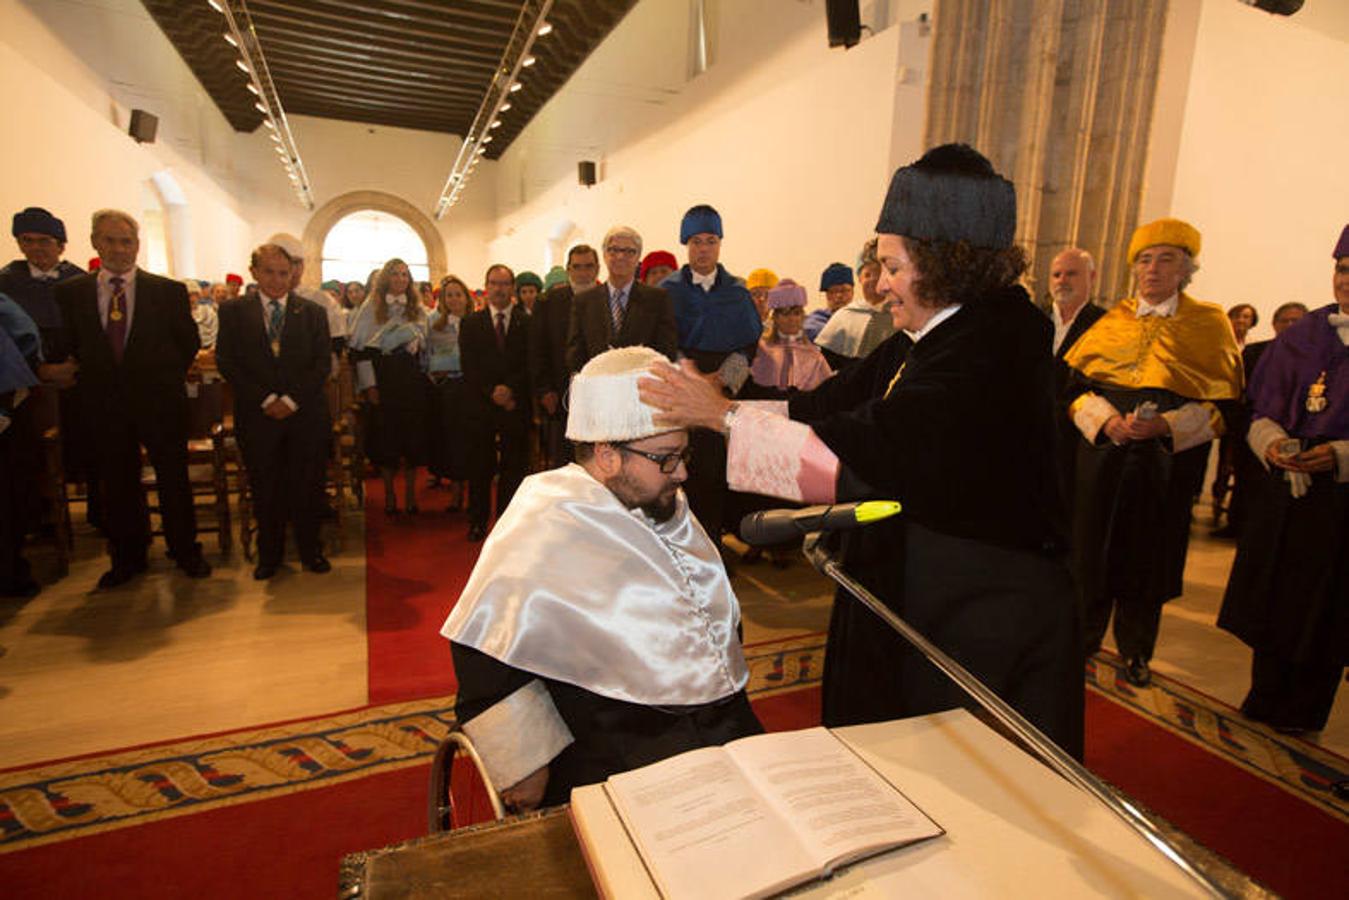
x=276 y=348
x=1316 y=395
x=115 y=314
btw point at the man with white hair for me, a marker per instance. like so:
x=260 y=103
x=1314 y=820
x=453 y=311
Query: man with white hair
x=1152 y=383
x=133 y=336
x=621 y=312
x=1072 y=278
x=598 y=631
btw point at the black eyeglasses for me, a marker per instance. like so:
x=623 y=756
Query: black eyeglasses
x=667 y=462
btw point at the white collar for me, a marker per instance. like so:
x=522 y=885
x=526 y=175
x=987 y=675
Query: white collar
x=1058 y=314
x=52 y=273
x=395 y=300
x=267 y=298
x=938 y=317
x=626 y=289
x=706 y=282
x=105 y=277
x=1164 y=310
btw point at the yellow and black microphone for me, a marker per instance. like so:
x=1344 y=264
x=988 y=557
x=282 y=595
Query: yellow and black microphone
x=774 y=526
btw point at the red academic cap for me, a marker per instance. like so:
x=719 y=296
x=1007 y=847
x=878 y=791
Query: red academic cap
x=231 y=278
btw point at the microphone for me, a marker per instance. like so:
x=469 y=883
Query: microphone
x=775 y=526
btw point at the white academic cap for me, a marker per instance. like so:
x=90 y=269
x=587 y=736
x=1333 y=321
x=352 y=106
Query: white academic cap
x=604 y=405
x=288 y=242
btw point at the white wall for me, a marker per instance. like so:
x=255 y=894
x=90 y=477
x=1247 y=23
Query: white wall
x=1259 y=162
x=789 y=140
x=71 y=71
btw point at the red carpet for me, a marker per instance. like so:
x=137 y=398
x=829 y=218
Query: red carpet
x=286 y=846
x=1283 y=842
x=415 y=568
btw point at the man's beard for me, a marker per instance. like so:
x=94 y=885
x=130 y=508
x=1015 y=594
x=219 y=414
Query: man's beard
x=661 y=510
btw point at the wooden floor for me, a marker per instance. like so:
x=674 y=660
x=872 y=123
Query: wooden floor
x=167 y=657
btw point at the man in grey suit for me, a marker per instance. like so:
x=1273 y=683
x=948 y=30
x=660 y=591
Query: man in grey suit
x=622 y=312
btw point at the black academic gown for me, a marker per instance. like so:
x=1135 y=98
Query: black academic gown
x=611 y=736
x=965 y=441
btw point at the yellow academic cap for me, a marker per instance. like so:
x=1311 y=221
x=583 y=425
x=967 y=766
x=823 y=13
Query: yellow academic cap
x=1172 y=232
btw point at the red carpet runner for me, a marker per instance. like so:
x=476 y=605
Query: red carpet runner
x=415 y=568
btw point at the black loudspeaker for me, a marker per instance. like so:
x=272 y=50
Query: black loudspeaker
x=1276 y=7
x=585 y=172
x=845 y=22
x=143 y=126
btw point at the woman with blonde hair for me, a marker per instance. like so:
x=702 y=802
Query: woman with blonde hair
x=447 y=458
x=388 y=343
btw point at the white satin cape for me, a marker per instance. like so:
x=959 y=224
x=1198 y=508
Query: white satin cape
x=573 y=586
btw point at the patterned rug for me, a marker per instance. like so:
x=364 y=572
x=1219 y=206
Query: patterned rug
x=54 y=802
x=1299 y=768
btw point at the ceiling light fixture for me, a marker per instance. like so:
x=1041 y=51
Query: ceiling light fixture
x=531 y=23
x=243 y=36
x=229 y=39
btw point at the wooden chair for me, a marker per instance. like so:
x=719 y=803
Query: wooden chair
x=460 y=791
x=207 y=462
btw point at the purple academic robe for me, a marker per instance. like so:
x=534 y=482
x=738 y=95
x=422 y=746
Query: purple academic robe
x=1306 y=353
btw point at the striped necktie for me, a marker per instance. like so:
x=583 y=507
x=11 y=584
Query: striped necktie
x=276 y=319
x=617 y=307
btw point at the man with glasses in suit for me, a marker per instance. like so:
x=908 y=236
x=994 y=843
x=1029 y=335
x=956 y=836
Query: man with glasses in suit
x=598 y=631
x=621 y=312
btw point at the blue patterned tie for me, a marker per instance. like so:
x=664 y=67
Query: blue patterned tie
x=275 y=321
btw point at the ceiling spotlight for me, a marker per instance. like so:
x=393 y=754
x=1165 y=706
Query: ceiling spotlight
x=276 y=137
x=281 y=150
x=515 y=86
x=269 y=123
x=545 y=29
x=215 y=5
x=253 y=88
x=486 y=140
x=243 y=67
x=506 y=107
x=260 y=108
x=496 y=123
x=528 y=61
x=230 y=39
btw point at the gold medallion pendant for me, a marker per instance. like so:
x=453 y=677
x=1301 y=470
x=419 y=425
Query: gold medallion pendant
x=1316 y=395
x=115 y=315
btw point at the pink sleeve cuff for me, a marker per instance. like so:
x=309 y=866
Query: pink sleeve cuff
x=770 y=454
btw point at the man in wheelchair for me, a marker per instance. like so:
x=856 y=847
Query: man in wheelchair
x=598 y=631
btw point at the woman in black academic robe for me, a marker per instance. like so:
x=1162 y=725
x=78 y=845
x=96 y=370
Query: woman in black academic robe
x=956 y=420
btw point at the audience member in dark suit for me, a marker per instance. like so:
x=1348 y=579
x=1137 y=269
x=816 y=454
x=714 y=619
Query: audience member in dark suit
x=1246 y=469
x=20 y=447
x=274 y=349
x=548 y=372
x=1072 y=279
x=494 y=347
x=30 y=282
x=133 y=336
x=622 y=312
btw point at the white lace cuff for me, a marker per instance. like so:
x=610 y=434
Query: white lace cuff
x=519 y=735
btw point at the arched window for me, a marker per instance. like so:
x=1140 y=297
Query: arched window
x=366 y=240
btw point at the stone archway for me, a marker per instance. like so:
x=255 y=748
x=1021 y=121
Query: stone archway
x=338 y=208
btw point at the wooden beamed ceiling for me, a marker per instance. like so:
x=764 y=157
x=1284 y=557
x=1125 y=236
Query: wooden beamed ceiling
x=410 y=63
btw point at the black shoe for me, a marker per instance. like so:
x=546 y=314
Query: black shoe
x=1136 y=672
x=263 y=571
x=319 y=565
x=196 y=567
x=119 y=575
x=476 y=533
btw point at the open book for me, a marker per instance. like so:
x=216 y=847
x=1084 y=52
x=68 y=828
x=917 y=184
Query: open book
x=752 y=818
